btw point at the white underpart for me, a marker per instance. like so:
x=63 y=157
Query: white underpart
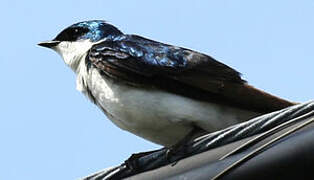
x=72 y=52
x=155 y=115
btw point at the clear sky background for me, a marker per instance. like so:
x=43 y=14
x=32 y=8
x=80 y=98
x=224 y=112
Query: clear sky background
x=50 y=131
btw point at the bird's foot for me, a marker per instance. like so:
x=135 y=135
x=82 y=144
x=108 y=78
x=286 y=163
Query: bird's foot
x=132 y=161
x=179 y=150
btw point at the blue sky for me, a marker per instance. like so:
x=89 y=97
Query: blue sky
x=48 y=130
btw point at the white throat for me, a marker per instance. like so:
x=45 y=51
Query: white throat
x=73 y=52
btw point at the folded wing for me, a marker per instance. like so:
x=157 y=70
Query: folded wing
x=142 y=62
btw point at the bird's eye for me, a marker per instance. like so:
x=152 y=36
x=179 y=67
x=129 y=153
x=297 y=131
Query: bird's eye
x=71 y=34
x=77 y=31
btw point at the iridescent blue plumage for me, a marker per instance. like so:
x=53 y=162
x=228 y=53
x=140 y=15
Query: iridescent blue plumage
x=151 y=57
x=93 y=30
x=99 y=30
x=148 y=51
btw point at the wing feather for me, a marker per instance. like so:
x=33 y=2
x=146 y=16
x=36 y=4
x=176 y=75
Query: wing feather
x=140 y=61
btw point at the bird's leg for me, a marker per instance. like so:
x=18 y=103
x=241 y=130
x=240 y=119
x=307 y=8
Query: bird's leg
x=179 y=147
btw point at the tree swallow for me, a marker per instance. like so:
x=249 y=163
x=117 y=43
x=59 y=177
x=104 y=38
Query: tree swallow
x=154 y=90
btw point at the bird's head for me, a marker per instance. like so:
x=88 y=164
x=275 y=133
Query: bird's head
x=74 y=41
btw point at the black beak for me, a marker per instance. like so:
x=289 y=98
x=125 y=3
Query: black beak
x=49 y=44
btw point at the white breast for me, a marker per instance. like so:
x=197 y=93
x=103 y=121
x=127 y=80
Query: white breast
x=158 y=116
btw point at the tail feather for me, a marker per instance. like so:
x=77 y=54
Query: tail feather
x=255 y=99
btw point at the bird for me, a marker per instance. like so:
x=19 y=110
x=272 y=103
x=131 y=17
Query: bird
x=160 y=92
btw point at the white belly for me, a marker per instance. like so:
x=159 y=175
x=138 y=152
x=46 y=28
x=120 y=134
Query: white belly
x=159 y=116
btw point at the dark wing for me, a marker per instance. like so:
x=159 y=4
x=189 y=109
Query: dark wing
x=141 y=61
x=150 y=58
